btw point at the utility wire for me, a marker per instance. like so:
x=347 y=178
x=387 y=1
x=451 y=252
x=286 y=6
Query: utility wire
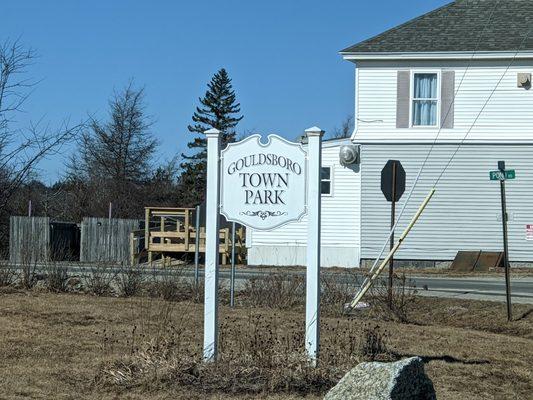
x=483 y=108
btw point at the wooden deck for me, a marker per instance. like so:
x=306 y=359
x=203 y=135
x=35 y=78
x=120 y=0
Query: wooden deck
x=171 y=231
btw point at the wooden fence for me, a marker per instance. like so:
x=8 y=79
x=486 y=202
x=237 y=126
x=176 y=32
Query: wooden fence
x=104 y=240
x=29 y=239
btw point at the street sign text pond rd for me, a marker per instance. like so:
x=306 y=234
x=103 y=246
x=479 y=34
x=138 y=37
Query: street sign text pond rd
x=502 y=175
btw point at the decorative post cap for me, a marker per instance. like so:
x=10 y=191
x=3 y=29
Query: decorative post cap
x=314 y=131
x=212 y=132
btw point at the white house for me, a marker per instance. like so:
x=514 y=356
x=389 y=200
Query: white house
x=450 y=92
x=340 y=220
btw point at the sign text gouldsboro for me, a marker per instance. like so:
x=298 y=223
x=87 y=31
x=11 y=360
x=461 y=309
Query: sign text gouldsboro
x=264 y=187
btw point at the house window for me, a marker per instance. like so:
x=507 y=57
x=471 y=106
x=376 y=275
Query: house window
x=425 y=101
x=325 y=180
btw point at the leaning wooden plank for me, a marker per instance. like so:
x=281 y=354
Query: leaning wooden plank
x=465 y=261
x=368 y=283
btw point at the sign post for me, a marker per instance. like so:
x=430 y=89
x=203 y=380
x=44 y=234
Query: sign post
x=262 y=186
x=211 y=246
x=393 y=187
x=502 y=174
x=392 y=221
x=312 y=304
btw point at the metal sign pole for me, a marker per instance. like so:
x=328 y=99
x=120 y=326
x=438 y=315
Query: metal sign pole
x=197 y=249
x=392 y=221
x=501 y=167
x=392 y=187
x=232 y=277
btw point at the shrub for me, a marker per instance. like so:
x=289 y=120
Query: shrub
x=8 y=274
x=29 y=274
x=402 y=302
x=278 y=290
x=372 y=345
x=130 y=281
x=173 y=286
x=259 y=355
x=56 y=278
x=337 y=291
x=98 y=280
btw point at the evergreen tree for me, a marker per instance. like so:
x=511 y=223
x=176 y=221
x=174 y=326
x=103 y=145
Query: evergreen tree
x=219 y=110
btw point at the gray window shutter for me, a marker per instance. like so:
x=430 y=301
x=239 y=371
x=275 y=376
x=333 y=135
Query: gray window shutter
x=447 y=99
x=402 y=99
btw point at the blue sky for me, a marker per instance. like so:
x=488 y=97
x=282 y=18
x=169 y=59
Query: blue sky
x=282 y=56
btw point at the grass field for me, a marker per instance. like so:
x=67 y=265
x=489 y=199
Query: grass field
x=72 y=346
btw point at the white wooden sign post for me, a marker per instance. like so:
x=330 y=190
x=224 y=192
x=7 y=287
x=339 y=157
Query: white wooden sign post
x=263 y=186
x=312 y=302
x=211 y=245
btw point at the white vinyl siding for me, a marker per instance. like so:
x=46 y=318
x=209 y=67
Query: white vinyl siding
x=340 y=218
x=464 y=213
x=508 y=116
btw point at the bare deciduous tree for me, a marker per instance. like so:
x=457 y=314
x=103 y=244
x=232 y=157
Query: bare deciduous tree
x=21 y=149
x=114 y=159
x=122 y=148
x=346 y=129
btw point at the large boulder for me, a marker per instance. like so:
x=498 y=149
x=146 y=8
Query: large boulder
x=401 y=380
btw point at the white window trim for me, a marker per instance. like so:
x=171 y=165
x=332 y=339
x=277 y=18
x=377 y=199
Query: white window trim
x=412 y=99
x=330 y=180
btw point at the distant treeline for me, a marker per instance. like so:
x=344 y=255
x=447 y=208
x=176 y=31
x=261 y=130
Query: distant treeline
x=116 y=159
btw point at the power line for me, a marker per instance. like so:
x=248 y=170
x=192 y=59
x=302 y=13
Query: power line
x=483 y=108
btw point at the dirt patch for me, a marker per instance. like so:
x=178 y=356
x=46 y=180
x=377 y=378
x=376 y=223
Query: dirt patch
x=68 y=346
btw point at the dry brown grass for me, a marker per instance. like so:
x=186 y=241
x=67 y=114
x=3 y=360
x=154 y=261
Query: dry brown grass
x=66 y=346
x=276 y=290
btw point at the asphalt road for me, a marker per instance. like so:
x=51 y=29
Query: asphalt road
x=471 y=287
x=482 y=288
x=474 y=288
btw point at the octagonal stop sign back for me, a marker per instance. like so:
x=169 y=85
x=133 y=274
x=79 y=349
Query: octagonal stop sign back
x=388 y=180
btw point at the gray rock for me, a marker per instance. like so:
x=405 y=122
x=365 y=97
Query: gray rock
x=401 y=380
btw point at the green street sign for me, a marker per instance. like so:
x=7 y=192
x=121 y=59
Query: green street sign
x=502 y=176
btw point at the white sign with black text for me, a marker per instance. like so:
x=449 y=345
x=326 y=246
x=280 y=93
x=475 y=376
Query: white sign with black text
x=263 y=185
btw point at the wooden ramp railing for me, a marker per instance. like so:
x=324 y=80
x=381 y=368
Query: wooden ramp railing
x=171 y=231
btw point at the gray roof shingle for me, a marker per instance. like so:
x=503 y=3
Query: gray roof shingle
x=461 y=26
